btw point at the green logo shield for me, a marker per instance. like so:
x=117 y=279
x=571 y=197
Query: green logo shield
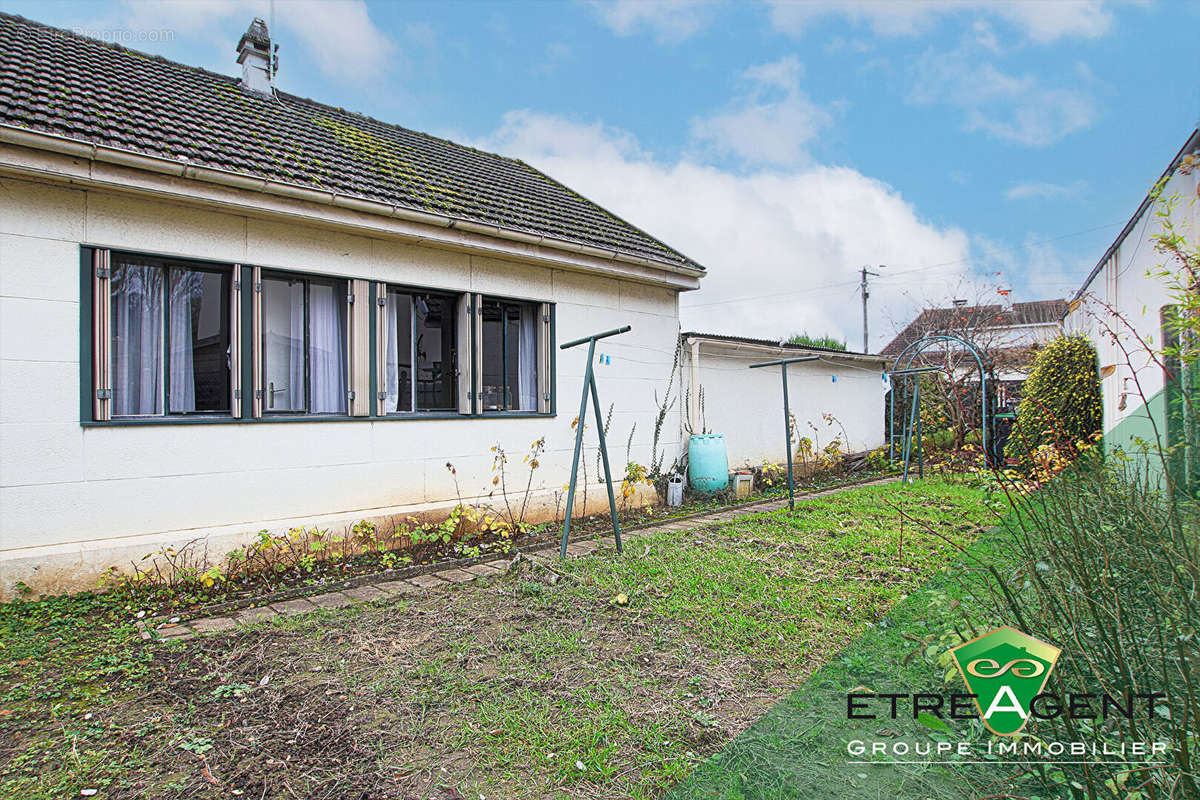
x=1005 y=670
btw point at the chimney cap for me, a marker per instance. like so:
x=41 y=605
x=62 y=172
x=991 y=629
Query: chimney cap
x=256 y=37
x=959 y=303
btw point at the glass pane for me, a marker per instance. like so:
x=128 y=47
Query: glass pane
x=434 y=352
x=512 y=356
x=137 y=338
x=397 y=377
x=283 y=344
x=198 y=316
x=492 y=398
x=527 y=359
x=327 y=347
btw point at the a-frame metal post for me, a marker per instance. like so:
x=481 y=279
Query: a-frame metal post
x=589 y=387
x=787 y=416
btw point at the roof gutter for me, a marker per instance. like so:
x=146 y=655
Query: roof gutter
x=91 y=151
x=695 y=341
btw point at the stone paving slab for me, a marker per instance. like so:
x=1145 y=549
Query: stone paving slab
x=399 y=587
x=257 y=614
x=547 y=554
x=290 y=608
x=171 y=631
x=427 y=581
x=455 y=575
x=212 y=624
x=332 y=600
x=367 y=593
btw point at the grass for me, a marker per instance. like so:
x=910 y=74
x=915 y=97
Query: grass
x=526 y=686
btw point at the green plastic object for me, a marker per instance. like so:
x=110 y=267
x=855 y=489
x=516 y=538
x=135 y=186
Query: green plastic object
x=708 y=463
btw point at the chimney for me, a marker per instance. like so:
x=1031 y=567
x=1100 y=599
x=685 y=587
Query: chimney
x=254 y=54
x=1006 y=302
x=960 y=303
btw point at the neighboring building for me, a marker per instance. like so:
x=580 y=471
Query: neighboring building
x=1120 y=304
x=746 y=405
x=1009 y=333
x=224 y=309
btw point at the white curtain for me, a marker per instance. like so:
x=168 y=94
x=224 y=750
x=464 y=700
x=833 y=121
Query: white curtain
x=185 y=292
x=327 y=348
x=295 y=346
x=137 y=330
x=391 y=377
x=527 y=359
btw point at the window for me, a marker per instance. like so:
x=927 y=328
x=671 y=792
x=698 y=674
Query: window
x=174 y=338
x=304 y=345
x=162 y=337
x=509 y=345
x=418 y=334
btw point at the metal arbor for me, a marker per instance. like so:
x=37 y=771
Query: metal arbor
x=904 y=368
x=589 y=387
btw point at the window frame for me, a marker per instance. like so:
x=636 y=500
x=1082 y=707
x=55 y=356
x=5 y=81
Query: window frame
x=364 y=339
x=259 y=333
x=101 y=263
x=505 y=305
x=455 y=298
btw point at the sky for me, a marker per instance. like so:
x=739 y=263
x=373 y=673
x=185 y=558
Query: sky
x=963 y=145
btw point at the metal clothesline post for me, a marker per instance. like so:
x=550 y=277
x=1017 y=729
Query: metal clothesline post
x=787 y=416
x=589 y=387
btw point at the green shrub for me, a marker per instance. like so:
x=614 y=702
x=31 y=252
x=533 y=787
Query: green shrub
x=1060 y=406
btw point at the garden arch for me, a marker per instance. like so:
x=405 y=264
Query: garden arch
x=905 y=369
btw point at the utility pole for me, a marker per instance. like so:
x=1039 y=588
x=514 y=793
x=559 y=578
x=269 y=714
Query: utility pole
x=865 y=294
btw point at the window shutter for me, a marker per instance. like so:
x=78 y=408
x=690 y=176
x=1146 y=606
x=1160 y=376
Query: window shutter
x=257 y=331
x=101 y=331
x=468 y=323
x=380 y=355
x=235 y=343
x=358 y=356
x=545 y=380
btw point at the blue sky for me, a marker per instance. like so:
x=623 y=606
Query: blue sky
x=964 y=144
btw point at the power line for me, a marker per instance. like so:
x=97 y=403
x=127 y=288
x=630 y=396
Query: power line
x=893 y=273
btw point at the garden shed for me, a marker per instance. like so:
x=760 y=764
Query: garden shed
x=839 y=396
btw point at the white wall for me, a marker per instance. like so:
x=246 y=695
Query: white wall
x=746 y=405
x=1123 y=300
x=74 y=499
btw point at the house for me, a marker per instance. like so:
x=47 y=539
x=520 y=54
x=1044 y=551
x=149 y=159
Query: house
x=224 y=308
x=839 y=395
x=1121 y=304
x=1009 y=334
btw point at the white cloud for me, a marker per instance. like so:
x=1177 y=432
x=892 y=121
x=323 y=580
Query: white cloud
x=1036 y=190
x=792 y=238
x=1042 y=21
x=1013 y=108
x=772 y=124
x=670 y=21
x=339 y=37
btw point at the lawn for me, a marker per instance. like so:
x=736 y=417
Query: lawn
x=531 y=685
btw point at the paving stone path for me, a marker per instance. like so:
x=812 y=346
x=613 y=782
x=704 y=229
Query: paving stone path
x=443 y=578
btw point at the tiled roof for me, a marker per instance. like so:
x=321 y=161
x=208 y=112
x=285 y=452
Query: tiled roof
x=934 y=320
x=57 y=82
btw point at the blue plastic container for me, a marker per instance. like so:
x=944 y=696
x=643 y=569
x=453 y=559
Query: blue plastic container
x=708 y=463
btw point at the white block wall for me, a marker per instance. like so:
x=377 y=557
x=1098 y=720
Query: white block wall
x=74 y=500
x=1123 y=299
x=746 y=405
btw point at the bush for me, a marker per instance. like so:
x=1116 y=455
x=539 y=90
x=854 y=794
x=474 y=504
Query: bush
x=1060 y=406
